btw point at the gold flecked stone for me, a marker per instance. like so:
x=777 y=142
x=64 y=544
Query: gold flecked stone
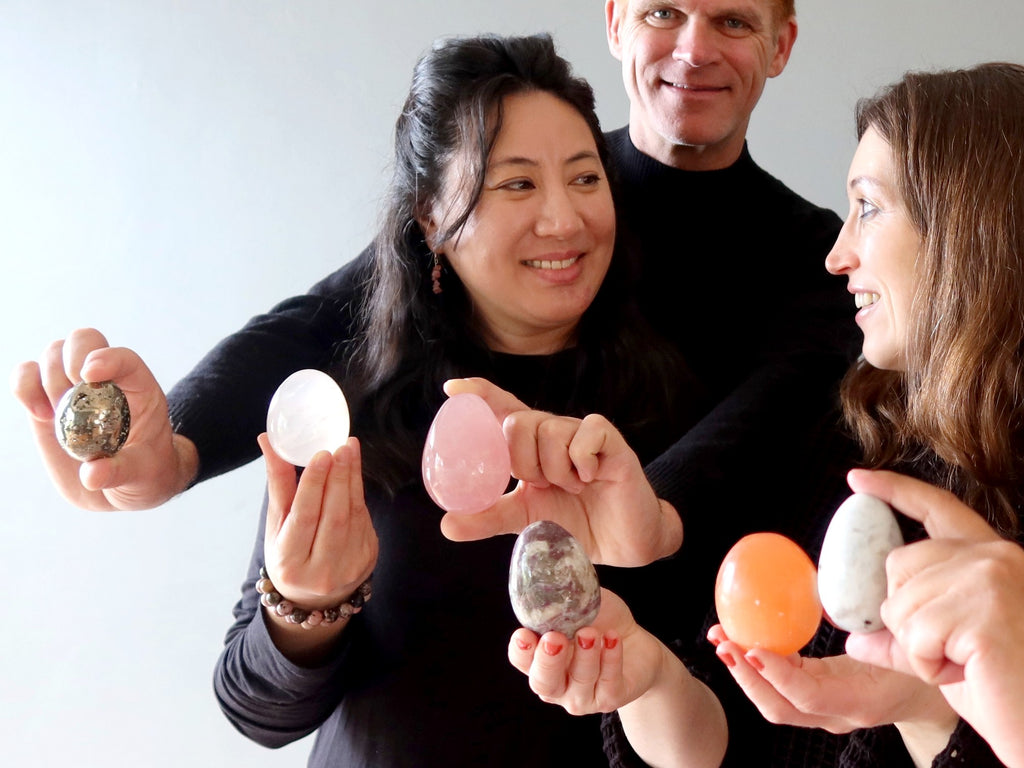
x=92 y=420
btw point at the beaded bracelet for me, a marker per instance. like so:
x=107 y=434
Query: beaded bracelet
x=287 y=610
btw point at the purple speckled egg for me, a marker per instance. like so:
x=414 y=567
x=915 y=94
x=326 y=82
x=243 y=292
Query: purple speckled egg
x=551 y=582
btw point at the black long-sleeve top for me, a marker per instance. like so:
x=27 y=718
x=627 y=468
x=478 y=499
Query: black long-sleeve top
x=421 y=676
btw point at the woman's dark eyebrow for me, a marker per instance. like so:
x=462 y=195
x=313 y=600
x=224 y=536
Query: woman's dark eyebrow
x=516 y=160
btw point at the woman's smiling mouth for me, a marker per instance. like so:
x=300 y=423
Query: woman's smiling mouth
x=548 y=264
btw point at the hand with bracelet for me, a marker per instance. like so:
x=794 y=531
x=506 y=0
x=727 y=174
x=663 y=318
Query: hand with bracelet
x=319 y=549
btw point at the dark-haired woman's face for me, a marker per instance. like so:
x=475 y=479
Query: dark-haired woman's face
x=536 y=248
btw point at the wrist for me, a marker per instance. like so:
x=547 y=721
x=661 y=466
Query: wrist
x=927 y=736
x=187 y=457
x=666 y=673
x=280 y=608
x=672 y=529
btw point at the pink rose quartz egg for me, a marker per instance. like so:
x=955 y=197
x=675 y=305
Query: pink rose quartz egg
x=466 y=463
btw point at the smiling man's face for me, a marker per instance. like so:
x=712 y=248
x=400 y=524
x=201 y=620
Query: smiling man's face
x=694 y=70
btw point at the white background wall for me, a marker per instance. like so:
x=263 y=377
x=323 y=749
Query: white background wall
x=169 y=168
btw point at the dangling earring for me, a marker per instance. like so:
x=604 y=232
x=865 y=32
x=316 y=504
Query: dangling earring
x=435 y=274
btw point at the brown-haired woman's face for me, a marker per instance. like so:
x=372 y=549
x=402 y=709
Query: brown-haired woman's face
x=877 y=250
x=538 y=244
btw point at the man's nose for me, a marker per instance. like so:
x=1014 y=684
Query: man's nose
x=696 y=43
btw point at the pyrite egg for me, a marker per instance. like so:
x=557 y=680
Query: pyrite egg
x=552 y=583
x=92 y=420
x=851 y=568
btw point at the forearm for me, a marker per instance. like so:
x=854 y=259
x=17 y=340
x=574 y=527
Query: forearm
x=677 y=722
x=264 y=694
x=925 y=739
x=768 y=422
x=221 y=405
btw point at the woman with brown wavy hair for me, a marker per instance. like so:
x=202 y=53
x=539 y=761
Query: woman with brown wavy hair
x=952 y=406
x=933 y=251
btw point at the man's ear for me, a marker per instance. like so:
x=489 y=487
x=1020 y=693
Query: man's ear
x=612 y=25
x=783 y=46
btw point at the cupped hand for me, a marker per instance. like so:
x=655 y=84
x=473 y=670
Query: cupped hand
x=579 y=473
x=837 y=693
x=153 y=465
x=604 y=667
x=955 y=610
x=320 y=544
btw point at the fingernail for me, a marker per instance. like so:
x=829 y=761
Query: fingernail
x=726 y=658
x=523 y=645
x=586 y=643
x=552 y=649
x=715 y=641
x=755 y=662
x=611 y=642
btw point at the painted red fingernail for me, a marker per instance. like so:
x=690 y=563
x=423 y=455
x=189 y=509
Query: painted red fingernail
x=727 y=659
x=755 y=662
x=715 y=641
x=611 y=642
x=586 y=643
x=552 y=649
x=523 y=645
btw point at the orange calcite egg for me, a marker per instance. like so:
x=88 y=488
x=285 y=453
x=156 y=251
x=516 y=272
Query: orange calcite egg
x=766 y=594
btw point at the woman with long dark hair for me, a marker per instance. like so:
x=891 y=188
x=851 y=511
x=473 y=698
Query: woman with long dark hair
x=496 y=258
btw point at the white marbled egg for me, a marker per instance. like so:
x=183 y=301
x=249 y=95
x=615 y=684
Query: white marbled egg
x=851 y=568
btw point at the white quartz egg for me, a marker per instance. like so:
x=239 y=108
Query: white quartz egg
x=308 y=413
x=851 y=568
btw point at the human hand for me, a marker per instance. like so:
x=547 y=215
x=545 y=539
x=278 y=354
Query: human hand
x=319 y=544
x=955 y=610
x=588 y=674
x=668 y=717
x=837 y=693
x=153 y=465
x=579 y=473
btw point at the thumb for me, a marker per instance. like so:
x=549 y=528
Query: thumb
x=942 y=514
x=507 y=515
x=881 y=649
x=502 y=403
